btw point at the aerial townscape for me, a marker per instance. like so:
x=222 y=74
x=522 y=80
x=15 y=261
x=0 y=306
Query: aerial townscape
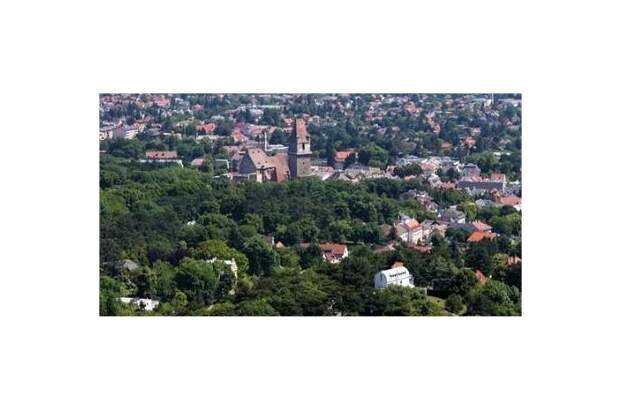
x=310 y=204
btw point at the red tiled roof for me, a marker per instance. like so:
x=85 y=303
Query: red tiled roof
x=481 y=226
x=207 y=128
x=448 y=185
x=343 y=155
x=334 y=248
x=333 y=251
x=161 y=154
x=511 y=200
x=497 y=176
x=477 y=236
x=480 y=276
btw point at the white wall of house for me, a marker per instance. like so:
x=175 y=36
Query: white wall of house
x=399 y=276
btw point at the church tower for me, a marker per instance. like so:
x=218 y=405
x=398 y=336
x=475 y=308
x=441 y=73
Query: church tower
x=299 y=150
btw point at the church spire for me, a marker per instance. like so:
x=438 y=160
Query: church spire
x=299 y=152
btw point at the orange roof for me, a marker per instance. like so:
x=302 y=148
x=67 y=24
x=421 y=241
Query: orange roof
x=477 y=236
x=481 y=226
x=333 y=248
x=511 y=200
x=343 y=155
x=480 y=276
x=412 y=223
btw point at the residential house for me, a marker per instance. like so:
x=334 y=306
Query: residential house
x=143 y=304
x=334 y=252
x=451 y=216
x=197 y=163
x=476 y=185
x=341 y=156
x=478 y=236
x=396 y=276
x=230 y=263
x=511 y=200
x=161 y=157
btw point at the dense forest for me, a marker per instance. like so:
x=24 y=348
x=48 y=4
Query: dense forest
x=178 y=224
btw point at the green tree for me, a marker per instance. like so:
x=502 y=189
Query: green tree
x=401 y=301
x=454 y=304
x=220 y=250
x=197 y=280
x=470 y=209
x=255 y=307
x=261 y=257
x=373 y=155
x=495 y=299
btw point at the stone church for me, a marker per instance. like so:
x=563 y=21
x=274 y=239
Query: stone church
x=257 y=165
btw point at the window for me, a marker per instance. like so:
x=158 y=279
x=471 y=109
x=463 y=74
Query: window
x=303 y=147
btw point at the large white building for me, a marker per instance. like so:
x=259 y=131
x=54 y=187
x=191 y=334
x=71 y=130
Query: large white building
x=398 y=276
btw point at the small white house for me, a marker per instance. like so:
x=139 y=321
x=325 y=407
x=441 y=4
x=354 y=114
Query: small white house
x=145 y=304
x=398 y=276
